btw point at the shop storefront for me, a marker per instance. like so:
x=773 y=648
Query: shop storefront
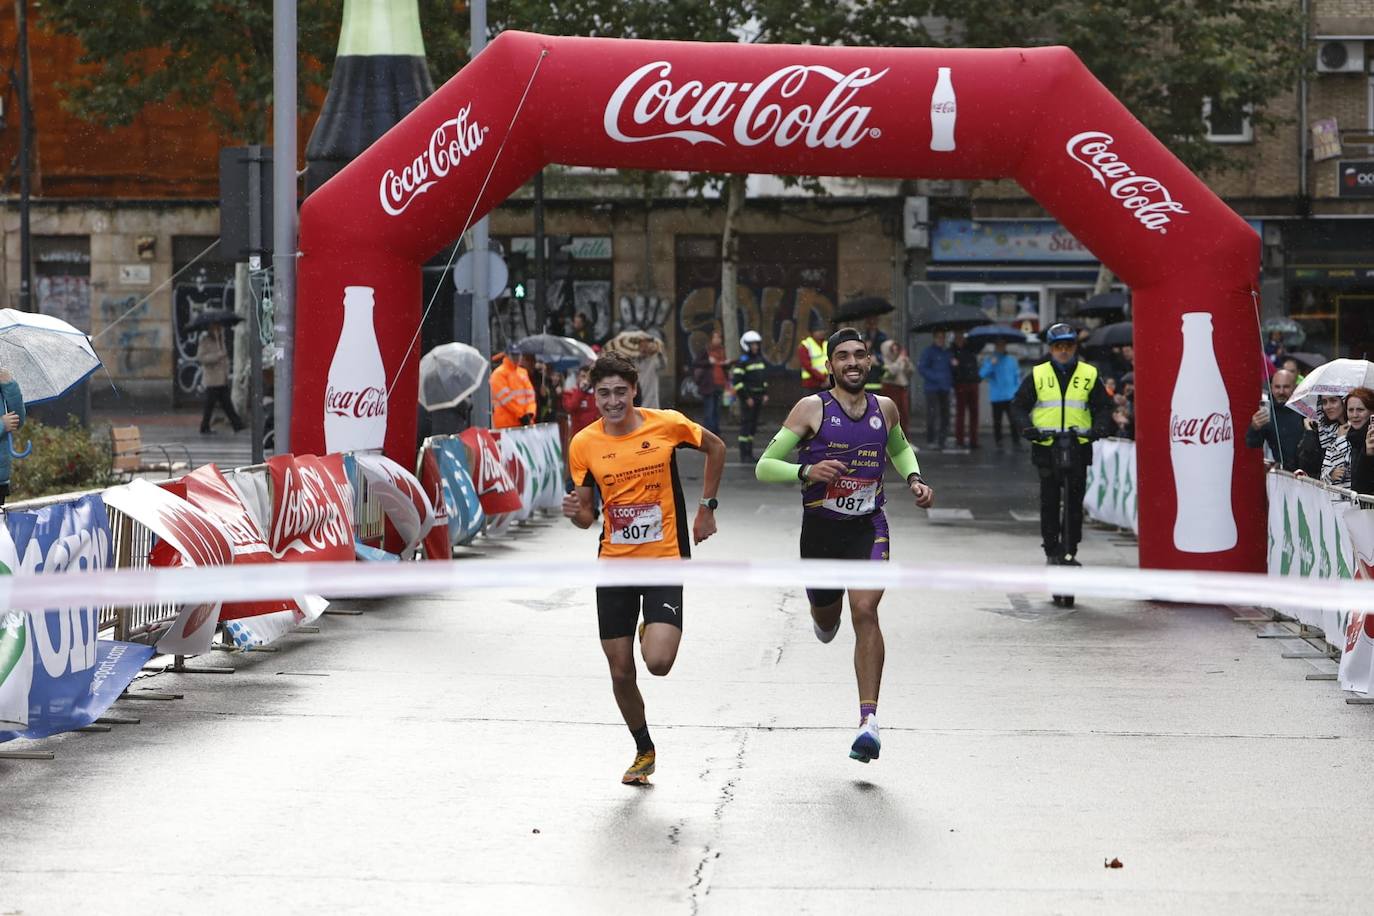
x=1329 y=278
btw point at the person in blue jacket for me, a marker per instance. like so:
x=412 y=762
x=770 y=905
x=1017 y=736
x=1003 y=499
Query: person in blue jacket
x=12 y=416
x=937 y=377
x=1003 y=372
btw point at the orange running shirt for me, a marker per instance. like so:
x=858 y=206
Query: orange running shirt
x=643 y=512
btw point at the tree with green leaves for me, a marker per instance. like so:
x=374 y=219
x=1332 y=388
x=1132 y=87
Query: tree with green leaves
x=1164 y=59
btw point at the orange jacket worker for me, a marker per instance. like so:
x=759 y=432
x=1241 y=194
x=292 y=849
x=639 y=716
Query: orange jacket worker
x=512 y=392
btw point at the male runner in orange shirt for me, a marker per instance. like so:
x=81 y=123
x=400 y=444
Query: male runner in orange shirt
x=630 y=455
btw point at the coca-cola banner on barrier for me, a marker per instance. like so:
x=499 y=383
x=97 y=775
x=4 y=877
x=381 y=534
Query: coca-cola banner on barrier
x=497 y=492
x=402 y=499
x=312 y=508
x=1036 y=115
x=186 y=536
x=513 y=458
x=541 y=457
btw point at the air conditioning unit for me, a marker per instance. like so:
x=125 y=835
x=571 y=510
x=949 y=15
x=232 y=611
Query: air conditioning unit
x=1340 y=56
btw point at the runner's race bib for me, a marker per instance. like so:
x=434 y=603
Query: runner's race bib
x=851 y=495
x=635 y=524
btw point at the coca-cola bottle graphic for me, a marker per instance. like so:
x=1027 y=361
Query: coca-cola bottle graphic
x=1201 y=444
x=355 y=394
x=379 y=77
x=943 y=111
x=16 y=668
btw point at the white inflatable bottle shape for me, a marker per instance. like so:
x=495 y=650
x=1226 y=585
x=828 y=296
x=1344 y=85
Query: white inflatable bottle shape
x=355 y=393
x=943 y=111
x=16 y=668
x=1201 y=444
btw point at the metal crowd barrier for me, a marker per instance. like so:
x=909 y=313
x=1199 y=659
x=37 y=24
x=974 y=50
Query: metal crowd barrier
x=132 y=544
x=1363 y=500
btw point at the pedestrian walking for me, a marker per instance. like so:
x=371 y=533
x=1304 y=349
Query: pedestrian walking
x=750 y=381
x=12 y=416
x=964 y=358
x=629 y=457
x=1003 y=372
x=1062 y=393
x=937 y=377
x=847 y=436
x=214 y=375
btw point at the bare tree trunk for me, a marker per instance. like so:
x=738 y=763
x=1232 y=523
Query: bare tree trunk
x=729 y=264
x=1104 y=280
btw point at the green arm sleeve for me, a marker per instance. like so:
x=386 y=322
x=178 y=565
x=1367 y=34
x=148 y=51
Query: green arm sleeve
x=899 y=450
x=772 y=467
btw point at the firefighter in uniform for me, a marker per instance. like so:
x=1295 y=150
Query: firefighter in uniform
x=751 y=390
x=1062 y=393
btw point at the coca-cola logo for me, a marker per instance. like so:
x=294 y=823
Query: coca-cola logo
x=309 y=516
x=363 y=404
x=451 y=143
x=944 y=107
x=760 y=112
x=1144 y=198
x=1209 y=430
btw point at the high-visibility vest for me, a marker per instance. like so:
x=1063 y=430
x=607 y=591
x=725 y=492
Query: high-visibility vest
x=512 y=395
x=818 y=354
x=1056 y=408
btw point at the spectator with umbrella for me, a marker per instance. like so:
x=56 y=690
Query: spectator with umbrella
x=12 y=416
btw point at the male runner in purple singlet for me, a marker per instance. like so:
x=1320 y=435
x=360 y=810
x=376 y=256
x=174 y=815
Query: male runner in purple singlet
x=847 y=436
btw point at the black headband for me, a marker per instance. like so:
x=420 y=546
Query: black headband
x=843 y=335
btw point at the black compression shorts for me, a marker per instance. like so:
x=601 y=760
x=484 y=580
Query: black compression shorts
x=617 y=607
x=863 y=538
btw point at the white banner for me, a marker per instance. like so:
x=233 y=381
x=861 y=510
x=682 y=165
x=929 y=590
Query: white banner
x=1357 y=658
x=1111 y=493
x=1308 y=539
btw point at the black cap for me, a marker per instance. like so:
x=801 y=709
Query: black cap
x=843 y=335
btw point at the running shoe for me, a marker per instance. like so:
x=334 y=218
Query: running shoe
x=866 y=744
x=826 y=635
x=639 y=772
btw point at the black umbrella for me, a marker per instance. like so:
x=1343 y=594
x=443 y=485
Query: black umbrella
x=1104 y=304
x=1306 y=361
x=996 y=333
x=210 y=317
x=1112 y=335
x=863 y=307
x=951 y=318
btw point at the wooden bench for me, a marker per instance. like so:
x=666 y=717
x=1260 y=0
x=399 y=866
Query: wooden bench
x=127 y=453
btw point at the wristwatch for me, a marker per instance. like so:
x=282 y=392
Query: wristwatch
x=710 y=503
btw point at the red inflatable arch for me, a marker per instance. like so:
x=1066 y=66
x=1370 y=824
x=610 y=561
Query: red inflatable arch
x=1035 y=115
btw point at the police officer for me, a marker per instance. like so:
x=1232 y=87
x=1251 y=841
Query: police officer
x=1062 y=393
x=751 y=390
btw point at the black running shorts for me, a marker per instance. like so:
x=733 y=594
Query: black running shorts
x=617 y=607
x=863 y=538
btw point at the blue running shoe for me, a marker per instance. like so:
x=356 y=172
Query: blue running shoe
x=866 y=744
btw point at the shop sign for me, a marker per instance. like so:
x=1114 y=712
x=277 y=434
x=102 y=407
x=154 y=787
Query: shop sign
x=1355 y=177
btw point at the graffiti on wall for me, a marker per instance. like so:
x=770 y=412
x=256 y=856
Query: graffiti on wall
x=134 y=348
x=189 y=301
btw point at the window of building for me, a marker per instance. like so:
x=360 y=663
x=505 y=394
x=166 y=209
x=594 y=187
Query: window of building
x=1227 y=123
x=62 y=277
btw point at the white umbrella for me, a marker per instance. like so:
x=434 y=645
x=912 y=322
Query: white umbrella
x=1336 y=377
x=449 y=374
x=47 y=355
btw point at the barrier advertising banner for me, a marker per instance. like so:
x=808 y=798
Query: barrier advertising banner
x=1308 y=538
x=312 y=508
x=55 y=674
x=498 y=493
x=1357 y=659
x=1111 y=493
x=513 y=460
x=465 y=515
x=541 y=453
x=187 y=536
x=402 y=499
x=438 y=544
